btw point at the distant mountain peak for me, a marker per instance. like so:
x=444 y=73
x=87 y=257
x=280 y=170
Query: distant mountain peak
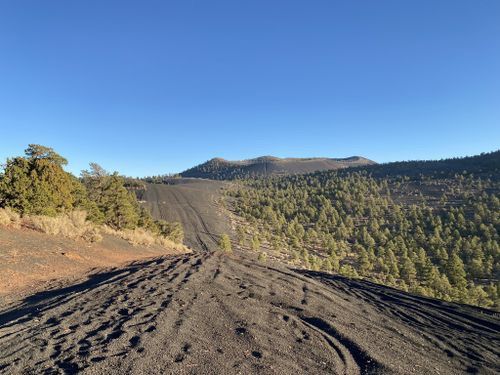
x=218 y=160
x=222 y=169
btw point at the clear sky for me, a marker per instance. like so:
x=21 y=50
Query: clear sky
x=149 y=87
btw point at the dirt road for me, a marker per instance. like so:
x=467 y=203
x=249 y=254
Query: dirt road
x=208 y=313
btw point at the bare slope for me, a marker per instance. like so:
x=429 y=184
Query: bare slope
x=211 y=314
x=220 y=169
x=195 y=203
x=28 y=258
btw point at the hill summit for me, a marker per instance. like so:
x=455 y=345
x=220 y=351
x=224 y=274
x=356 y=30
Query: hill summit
x=222 y=169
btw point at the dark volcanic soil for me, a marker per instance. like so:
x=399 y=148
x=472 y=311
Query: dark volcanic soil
x=214 y=314
x=194 y=203
x=28 y=258
x=208 y=313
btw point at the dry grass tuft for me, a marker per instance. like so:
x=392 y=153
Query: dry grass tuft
x=9 y=217
x=73 y=225
x=140 y=236
x=4 y=218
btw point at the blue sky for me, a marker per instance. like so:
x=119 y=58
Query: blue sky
x=149 y=87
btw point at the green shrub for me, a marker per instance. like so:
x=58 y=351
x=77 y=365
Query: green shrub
x=225 y=244
x=37 y=183
x=262 y=257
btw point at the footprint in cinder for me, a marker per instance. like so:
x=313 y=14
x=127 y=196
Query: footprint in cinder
x=54 y=333
x=56 y=351
x=67 y=313
x=257 y=354
x=241 y=331
x=150 y=329
x=123 y=312
x=472 y=370
x=83 y=347
x=52 y=321
x=40 y=342
x=68 y=367
x=134 y=341
x=179 y=322
x=113 y=335
x=449 y=353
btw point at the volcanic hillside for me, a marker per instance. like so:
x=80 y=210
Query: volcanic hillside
x=221 y=169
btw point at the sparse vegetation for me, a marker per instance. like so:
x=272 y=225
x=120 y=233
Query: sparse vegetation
x=255 y=242
x=241 y=235
x=225 y=244
x=262 y=257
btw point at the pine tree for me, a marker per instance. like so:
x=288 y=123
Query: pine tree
x=255 y=243
x=241 y=235
x=225 y=243
x=408 y=271
x=37 y=184
x=364 y=264
x=456 y=272
x=118 y=206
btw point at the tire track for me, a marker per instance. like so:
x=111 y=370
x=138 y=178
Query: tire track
x=188 y=218
x=199 y=219
x=191 y=204
x=356 y=360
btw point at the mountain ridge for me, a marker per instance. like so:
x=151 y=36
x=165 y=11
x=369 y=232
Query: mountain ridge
x=221 y=169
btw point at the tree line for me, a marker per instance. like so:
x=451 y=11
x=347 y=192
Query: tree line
x=435 y=234
x=37 y=184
